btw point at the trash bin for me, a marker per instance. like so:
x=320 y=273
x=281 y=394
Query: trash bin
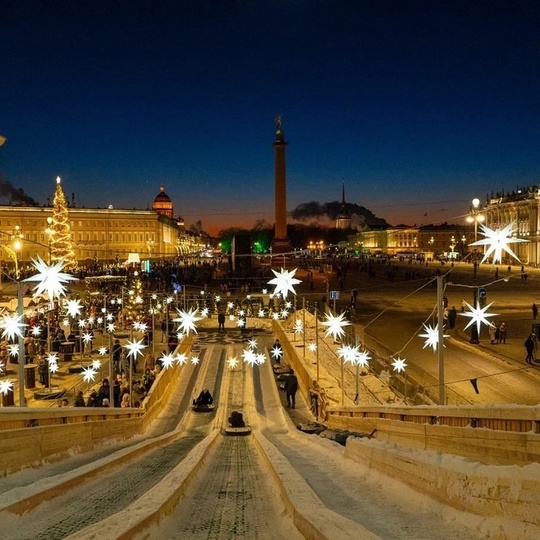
x=536 y=331
x=8 y=400
x=66 y=348
x=30 y=375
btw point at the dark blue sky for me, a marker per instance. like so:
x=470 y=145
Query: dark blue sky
x=417 y=106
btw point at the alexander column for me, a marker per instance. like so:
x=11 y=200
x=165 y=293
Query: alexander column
x=280 y=243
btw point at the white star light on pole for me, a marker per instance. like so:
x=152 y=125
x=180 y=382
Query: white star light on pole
x=187 y=320
x=13 y=349
x=12 y=326
x=74 y=308
x=50 y=279
x=232 y=362
x=36 y=331
x=240 y=323
x=167 y=360
x=181 y=359
x=261 y=313
x=87 y=337
x=96 y=364
x=134 y=348
x=102 y=351
x=312 y=347
x=431 y=336
x=195 y=360
x=478 y=315
x=284 y=282
x=110 y=328
x=6 y=387
x=89 y=374
x=252 y=343
x=277 y=352
x=399 y=364
x=335 y=325
x=298 y=326
x=82 y=323
x=261 y=359
x=498 y=241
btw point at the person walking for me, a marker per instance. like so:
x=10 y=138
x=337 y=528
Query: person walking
x=291 y=386
x=221 y=320
x=492 y=330
x=502 y=333
x=534 y=311
x=529 y=347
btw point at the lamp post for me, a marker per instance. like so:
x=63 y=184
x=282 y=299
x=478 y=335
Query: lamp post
x=475 y=216
x=50 y=231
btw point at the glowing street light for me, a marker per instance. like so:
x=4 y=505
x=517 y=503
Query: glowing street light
x=475 y=216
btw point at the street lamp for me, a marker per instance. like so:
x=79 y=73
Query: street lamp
x=475 y=216
x=50 y=231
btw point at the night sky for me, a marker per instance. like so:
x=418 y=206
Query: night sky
x=417 y=106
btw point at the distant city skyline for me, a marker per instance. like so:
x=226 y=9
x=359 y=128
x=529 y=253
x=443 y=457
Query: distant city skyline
x=418 y=107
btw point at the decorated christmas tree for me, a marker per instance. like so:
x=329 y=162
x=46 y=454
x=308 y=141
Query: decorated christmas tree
x=61 y=243
x=134 y=306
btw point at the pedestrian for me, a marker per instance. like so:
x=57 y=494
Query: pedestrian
x=534 y=310
x=463 y=305
x=103 y=392
x=79 y=400
x=492 y=330
x=529 y=347
x=502 y=333
x=291 y=386
x=116 y=354
x=452 y=316
x=221 y=320
x=93 y=400
x=497 y=333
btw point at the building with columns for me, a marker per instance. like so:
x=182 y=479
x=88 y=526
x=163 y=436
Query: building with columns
x=106 y=234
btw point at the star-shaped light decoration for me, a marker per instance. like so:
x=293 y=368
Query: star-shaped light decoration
x=135 y=348
x=167 y=361
x=231 y=317
x=13 y=349
x=204 y=312
x=187 y=320
x=498 y=241
x=87 y=337
x=431 y=336
x=82 y=323
x=195 y=360
x=91 y=320
x=399 y=364
x=298 y=327
x=252 y=343
x=36 y=331
x=74 y=308
x=99 y=320
x=96 y=364
x=284 y=314
x=52 y=360
x=335 y=325
x=312 y=347
x=109 y=317
x=261 y=313
x=102 y=351
x=230 y=305
x=65 y=322
x=240 y=323
x=12 y=326
x=241 y=313
x=89 y=374
x=249 y=356
x=288 y=305
x=478 y=315
x=284 y=282
x=6 y=387
x=362 y=359
x=2 y=366
x=275 y=316
x=217 y=299
x=180 y=359
x=261 y=359
x=232 y=362
x=265 y=291
x=110 y=327
x=50 y=279
x=277 y=352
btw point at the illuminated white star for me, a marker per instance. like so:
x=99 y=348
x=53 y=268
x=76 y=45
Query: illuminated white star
x=13 y=349
x=284 y=314
x=230 y=305
x=335 y=325
x=249 y=356
x=399 y=364
x=231 y=317
x=36 y=331
x=12 y=326
x=52 y=358
x=6 y=387
x=65 y=322
x=99 y=320
x=240 y=323
x=261 y=313
x=96 y=364
x=181 y=359
x=498 y=241
x=241 y=313
x=74 y=308
x=362 y=358
x=217 y=299
x=87 y=337
x=134 y=348
x=252 y=343
x=91 y=320
x=109 y=317
x=232 y=362
x=478 y=315
x=89 y=374
x=102 y=351
x=195 y=360
x=284 y=282
x=53 y=367
x=82 y=323
x=312 y=347
x=277 y=352
x=50 y=279
x=2 y=366
x=298 y=326
x=187 y=320
x=431 y=336
x=261 y=359
x=110 y=328
x=275 y=316
x=167 y=360
x=204 y=312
